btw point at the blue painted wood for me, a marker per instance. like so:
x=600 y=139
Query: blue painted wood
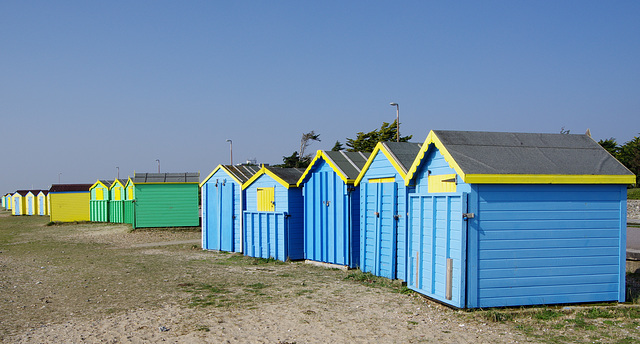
x=383 y=237
x=437 y=232
x=222 y=205
x=329 y=233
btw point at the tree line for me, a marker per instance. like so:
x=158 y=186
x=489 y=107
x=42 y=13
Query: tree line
x=628 y=153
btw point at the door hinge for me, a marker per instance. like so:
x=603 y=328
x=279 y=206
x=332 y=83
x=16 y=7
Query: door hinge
x=467 y=216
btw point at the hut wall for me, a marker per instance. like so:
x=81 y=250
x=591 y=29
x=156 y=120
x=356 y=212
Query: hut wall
x=383 y=209
x=69 y=206
x=222 y=207
x=166 y=205
x=331 y=218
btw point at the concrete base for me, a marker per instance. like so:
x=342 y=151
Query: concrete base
x=327 y=265
x=633 y=266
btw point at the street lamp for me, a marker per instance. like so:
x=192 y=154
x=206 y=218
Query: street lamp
x=158 y=160
x=118 y=169
x=397 y=120
x=59 y=174
x=231 y=150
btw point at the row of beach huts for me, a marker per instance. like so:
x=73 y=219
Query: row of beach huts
x=471 y=219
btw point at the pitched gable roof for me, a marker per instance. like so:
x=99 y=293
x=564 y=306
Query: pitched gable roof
x=287 y=177
x=399 y=154
x=240 y=173
x=346 y=164
x=495 y=157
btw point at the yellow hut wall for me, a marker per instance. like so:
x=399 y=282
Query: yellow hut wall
x=69 y=206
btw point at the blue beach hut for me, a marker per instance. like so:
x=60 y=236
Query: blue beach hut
x=383 y=209
x=332 y=207
x=273 y=221
x=512 y=219
x=223 y=202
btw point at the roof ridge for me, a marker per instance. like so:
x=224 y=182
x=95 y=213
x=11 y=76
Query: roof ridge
x=404 y=169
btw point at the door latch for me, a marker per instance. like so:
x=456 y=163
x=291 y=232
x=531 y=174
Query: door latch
x=467 y=216
x=377 y=214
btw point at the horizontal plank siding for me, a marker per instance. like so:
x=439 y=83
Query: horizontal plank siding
x=542 y=244
x=166 y=205
x=69 y=206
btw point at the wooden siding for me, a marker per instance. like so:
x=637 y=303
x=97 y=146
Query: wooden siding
x=166 y=205
x=222 y=213
x=116 y=211
x=545 y=244
x=330 y=210
x=69 y=206
x=383 y=241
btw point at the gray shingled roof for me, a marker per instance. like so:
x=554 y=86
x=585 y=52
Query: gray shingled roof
x=289 y=175
x=242 y=172
x=523 y=153
x=349 y=163
x=404 y=152
x=188 y=177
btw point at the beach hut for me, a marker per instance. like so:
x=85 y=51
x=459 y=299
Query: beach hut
x=18 y=200
x=129 y=199
x=166 y=199
x=383 y=209
x=332 y=207
x=43 y=204
x=4 y=201
x=99 y=202
x=69 y=202
x=513 y=219
x=31 y=202
x=222 y=207
x=273 y=221
x=116 y=201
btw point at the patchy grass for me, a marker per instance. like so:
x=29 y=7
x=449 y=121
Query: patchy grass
x=368 y=279
x=633 y=193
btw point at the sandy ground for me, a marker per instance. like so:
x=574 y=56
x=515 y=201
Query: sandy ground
x=334 y=311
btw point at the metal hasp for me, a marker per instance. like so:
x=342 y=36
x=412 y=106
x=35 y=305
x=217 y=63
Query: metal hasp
x=448 y=293
x=467 y=216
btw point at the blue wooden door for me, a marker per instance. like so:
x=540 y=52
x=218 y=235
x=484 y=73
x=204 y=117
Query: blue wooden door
x=437 y=247
x=226 y=220
x=378 y=237
x=211 y=216
x=29 y=206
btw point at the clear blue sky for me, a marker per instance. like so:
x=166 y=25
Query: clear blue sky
x=86 y=86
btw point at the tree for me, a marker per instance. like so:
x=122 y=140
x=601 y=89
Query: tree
x=299 y=159
x=366 y=142
x=629 y=155
x=337 y=147
x=610 y=145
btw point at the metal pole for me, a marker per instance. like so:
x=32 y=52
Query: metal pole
x=158 y=160
x=231 y=150
x=118 y=174
x=397 y=120
x=59 y=177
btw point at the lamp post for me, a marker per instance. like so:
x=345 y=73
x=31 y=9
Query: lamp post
x=118 y=174
x=397 y=120
x=231 y=150
x=59 y=174
x=158 y=160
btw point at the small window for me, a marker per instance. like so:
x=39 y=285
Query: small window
x=266 y=199
x=442 y=183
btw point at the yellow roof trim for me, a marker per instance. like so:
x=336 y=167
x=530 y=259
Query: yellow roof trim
x=216 y=170
x=129 y=181
x=96 y=184
x=114 y=184
x=264 y=170
x=547 y=179
x=320 y=154
x=432 y=139
x=379 y=147
x=211 y=175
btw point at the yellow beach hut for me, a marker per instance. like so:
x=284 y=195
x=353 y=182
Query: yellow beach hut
x=8 y=201
x=43 y=202
x=69 y=202
x=18 y=201
x=30 y=200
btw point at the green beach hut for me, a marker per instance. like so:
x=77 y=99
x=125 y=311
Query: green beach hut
x=116 y=201
x=99 y=201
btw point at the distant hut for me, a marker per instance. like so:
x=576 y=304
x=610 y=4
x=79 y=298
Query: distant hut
x=273 y=221
x=31 y=202
x=43 y=204
x=383 y=209
x=69 y=202
x=166 y=199
x=514 y=219
x=332 y=207
x=223 y=202
x=129 y=199
x=99 y=202
x=18 y=200
x=117 y=197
